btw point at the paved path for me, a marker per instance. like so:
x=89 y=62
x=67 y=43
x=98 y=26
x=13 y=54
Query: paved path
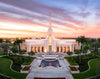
x=50 y=72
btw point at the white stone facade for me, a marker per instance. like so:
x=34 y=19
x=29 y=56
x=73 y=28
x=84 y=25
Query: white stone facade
x=50 y=44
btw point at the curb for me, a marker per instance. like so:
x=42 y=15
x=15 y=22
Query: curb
x=92 y=77
x=11 y=65
x=6 y=76
x=88 y=65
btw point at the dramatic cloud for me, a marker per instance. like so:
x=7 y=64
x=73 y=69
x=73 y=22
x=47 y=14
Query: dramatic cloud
x=70 y=18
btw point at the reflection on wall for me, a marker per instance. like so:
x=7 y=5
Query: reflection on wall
x=60 y=49
x=39 y=49
x=42 y=49
x=50 y=39
x=68 y=48
x=35 y=49
x=57 y=49
x=64 y=49
x=32 y=49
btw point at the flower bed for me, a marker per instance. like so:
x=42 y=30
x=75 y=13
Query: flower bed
x=73 y=68
x=26 y=68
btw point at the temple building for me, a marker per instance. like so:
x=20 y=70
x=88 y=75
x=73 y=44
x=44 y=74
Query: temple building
x=50 y=43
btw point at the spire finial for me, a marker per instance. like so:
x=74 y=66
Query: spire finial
x=50 y=19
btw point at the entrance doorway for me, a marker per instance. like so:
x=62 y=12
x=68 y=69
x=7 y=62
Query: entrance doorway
x=50 y=48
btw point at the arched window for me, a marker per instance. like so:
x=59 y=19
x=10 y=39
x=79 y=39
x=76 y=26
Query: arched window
x=31 y=48
x=50 y=39
x=64 y=49
x=57 y=49
x=25 y=49
x=35 y=49
x=39 y=49
x=68 y=48
x=61 y=49
x=42 y=48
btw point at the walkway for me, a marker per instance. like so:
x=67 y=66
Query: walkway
x=50 y=72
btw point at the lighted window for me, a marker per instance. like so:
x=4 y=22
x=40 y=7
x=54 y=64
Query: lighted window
x=50 y=39
x=31 y=48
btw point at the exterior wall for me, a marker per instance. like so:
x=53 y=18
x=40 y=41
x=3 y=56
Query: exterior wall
x=64 y=45
x=56 y=43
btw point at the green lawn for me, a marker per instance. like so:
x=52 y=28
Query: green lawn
x=3 y=77
x=5 y=69
x=2 y=53
x=92 y=53
x=81 y=61
x=19 y=60
x=28 y=60
x=94 y=70
x=71 y=60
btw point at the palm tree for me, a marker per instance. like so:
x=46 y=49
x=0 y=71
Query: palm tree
x=69 y=53
x=31 y=53
x=95 y=47
x=7 y=41
x=5 y=47
x=79 y=52
x=99 y=40
x=82 y=40
x=22 y=52
x=18 y=42
x=1 y=40
x=14 y=49
x=86 y=48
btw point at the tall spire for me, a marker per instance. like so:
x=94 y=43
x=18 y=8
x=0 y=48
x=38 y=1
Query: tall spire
x=50 y=19
x=50 y=31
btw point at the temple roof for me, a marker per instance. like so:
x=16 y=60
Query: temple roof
x=50 y=29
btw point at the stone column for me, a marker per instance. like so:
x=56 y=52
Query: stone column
x=62 y=49
x=40 y=48
x=59 y=48
x=66 y=48
x=70 y=48
x=73 y=48
x=33 y=49
x=27 y=49
x=37 y=48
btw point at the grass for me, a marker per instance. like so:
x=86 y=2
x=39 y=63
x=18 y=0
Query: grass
x=28 y=60
x=3 y=77
x=5 y=69
x=71 y=60
x=75 y=60
x=94 y=70
x=98 y=77
x=19 y=60
x=2 y=53
x=92 y=53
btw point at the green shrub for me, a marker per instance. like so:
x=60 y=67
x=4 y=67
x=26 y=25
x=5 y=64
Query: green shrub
x=19 y=60
x=84 y=60
x=69 y=53
x=31 y=53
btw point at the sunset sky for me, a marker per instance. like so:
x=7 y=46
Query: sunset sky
x=30 y=18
